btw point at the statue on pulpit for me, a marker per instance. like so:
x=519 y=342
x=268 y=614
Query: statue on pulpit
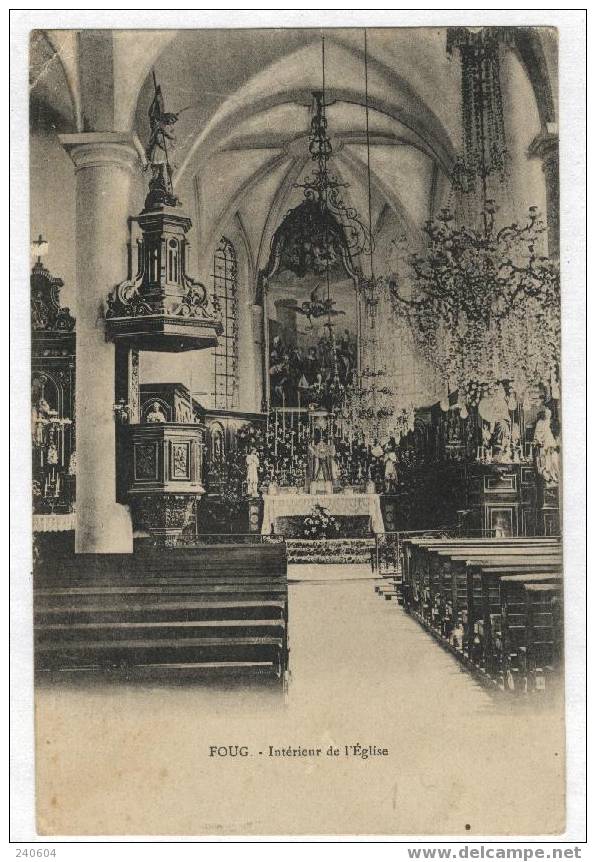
x=160 y=121
x=156 y=414
x=252 y=473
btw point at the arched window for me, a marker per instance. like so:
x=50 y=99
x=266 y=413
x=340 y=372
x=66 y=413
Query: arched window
x=225 y=355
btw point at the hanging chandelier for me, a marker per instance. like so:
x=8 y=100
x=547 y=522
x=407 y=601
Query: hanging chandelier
x=484 y=304
x=322 y=235
x=484 y=146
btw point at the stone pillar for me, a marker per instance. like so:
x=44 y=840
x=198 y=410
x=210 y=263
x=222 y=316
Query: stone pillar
x=245 y=371
x=105 y=163
x=545 y=146
x=258 y=352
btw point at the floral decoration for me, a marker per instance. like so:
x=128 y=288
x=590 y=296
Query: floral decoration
x=320 y=524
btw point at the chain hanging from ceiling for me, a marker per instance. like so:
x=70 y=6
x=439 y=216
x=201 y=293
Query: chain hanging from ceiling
x=322 y=234
x=484 y=145
x=371 y=404
x=324 y=187
x=484 y=300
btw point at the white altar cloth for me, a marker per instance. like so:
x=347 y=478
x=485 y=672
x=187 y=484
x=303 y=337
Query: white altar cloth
x=286 y=505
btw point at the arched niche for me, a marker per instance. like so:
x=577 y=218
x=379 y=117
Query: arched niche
x=217 y=443
x=147 y=407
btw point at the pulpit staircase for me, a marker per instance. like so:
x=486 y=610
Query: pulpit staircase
x=200 y=612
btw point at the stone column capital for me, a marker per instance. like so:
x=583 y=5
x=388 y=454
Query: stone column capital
x=100 y=149
x=545 y=146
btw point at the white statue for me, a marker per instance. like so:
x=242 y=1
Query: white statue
x=547 y=456
x=390 y=470
x=156 y=414
x=39 y=419
x=335 y=471
x=252 y=473
x=377 y=450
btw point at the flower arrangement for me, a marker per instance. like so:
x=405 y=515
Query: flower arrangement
x=320 y=524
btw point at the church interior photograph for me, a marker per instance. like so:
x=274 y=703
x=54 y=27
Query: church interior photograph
x=296 y=427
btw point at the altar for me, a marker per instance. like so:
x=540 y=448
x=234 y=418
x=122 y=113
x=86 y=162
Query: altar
x=283 y=505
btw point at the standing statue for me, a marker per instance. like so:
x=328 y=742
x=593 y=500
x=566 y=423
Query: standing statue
x=40 y=417
x=501 y=441
x=333 y=465
x=252 y=473
x=322 y=461
x=161 y=190
x=547 y=456
x=390 y=471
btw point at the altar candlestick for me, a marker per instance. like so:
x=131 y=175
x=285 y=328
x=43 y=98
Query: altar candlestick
x=283 y=414
x=275 y=443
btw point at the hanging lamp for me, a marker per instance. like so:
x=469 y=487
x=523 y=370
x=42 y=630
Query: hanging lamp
x=322 y=235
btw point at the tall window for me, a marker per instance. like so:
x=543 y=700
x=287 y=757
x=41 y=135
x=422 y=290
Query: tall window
x=225 y=355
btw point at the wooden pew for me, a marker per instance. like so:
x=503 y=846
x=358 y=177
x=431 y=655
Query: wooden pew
x=544 y=634
x=200 y=563
x=484 y=598
x=416 y=559
x=430 y=563
x=415 y=551
x=449 y=581
x=448 y=573
x=438 y=581
x=515 y=603
x=200 y=611
x=413 y=548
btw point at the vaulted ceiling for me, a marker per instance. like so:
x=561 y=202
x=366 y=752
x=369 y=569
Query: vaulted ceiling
x=242 y=139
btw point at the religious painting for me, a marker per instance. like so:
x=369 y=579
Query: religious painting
x=313 y=339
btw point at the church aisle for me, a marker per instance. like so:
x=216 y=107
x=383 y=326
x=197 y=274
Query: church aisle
x=364 y=649
x=362 y=672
